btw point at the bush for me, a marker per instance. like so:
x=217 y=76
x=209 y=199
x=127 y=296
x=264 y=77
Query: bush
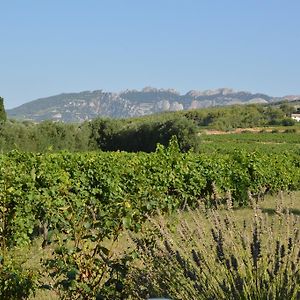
x=224 y=259
x=113 y=135
x=288 y=122
x=185 y=131
x=16 y=282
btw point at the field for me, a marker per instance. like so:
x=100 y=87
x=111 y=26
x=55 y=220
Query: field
x=271 y=207
x=75 y=225
x=228 y=254
x=273 y=139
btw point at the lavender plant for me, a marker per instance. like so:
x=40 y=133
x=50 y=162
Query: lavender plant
x=215 y=256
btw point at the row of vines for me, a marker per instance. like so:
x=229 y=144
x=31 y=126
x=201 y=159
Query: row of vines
x=76 y=202
x=40 y=192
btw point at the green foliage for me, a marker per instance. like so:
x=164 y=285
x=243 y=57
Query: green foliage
x=80 y=201
x=138 y=134
x=38 y=190
x=288 y=122
x=2 y=111
x=113 y=135
x=268 y=142
x=255 y=137
x=242 y=116
x=104 y=131
x=44 y=136
x=184 y=130
x=15 y=281
x=83 y=266
x=287 y=108
x=104 y=134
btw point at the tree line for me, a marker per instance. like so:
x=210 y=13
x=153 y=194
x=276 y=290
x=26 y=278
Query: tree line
x=136 y=134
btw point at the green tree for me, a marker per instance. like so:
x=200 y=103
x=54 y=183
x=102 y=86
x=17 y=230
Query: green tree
x=287 y=108
x=274 y=115
x=2 y=110
x=104 y=133
x=185 y=131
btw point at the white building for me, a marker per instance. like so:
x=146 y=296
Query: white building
x=296 y=117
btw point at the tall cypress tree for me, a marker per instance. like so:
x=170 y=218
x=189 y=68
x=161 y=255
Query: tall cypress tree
x=2 y=110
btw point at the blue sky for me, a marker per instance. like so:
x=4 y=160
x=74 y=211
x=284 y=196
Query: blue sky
x=50 y=47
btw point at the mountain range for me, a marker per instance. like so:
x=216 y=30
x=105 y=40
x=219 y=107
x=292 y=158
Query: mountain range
x=86 y=105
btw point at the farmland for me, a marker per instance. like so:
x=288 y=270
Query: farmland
x=273 y=139
x=150 y=150
x=94 y=210
x=76 y=201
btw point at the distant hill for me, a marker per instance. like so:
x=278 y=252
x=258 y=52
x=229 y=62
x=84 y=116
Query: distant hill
x=78 y=107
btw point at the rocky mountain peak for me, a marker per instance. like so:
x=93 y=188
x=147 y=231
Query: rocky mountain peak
x=77 y=107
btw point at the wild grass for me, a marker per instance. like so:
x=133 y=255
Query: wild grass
x=220 y=255
x=249 y=253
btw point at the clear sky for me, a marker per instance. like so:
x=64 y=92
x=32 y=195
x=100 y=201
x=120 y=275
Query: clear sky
x=54 y=46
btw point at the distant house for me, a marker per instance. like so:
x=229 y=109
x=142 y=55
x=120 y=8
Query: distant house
x=296 y=117
x=57 y=116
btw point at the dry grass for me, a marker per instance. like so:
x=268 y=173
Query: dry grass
x=242 y=254
x=190 y=223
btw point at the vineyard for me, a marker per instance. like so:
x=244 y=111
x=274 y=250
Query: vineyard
x=275 y=142
x=261 y=137
x=123 y=187
x=86 y=197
